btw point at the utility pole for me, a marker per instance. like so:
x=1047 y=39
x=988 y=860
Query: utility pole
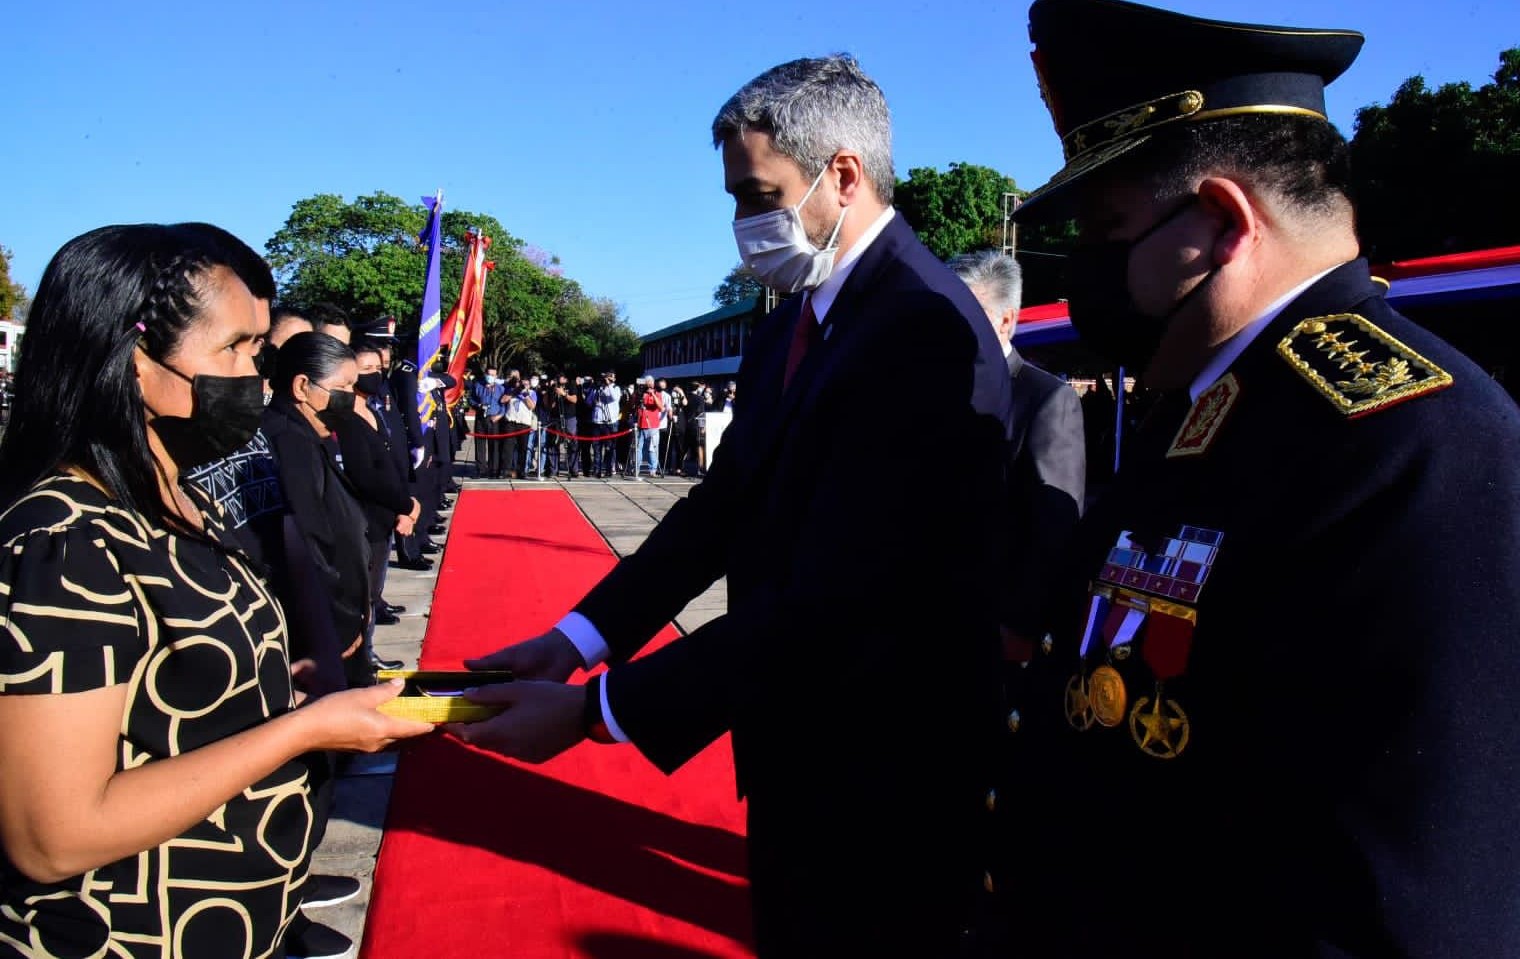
x=1011 y=203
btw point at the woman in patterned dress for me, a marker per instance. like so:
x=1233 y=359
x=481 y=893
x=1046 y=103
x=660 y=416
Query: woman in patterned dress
x=154 y=791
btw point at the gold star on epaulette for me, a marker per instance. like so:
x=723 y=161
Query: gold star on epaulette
x=1357 y=366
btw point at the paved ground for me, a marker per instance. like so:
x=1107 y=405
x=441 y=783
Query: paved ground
x=624 y=511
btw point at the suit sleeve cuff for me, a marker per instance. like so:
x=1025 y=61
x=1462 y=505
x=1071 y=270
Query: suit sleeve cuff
x=586 y=639
x=613 y=729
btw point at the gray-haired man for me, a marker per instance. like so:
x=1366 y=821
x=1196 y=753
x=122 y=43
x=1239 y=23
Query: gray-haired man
x=1047 y=459
x=857 y=663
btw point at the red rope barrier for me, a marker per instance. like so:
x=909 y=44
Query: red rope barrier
x=548 y=429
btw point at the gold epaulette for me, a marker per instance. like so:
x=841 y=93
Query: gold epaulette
x=1357 y=366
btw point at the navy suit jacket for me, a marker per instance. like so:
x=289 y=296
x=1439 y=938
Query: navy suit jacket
x=844 y=584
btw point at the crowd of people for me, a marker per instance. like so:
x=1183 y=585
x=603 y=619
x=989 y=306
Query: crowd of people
x=1254 y=700
x=569 y=426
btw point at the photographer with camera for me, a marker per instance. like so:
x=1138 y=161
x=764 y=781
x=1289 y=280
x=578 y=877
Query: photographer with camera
x=650 y=406
x=605 y=397
x=521 y=400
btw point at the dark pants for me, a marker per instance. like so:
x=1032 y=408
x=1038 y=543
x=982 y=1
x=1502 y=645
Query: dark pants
x=495 y=462
x=357 y=668
x=603 y=453
x=570 y=445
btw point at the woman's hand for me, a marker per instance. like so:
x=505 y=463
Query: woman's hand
x=351 y=720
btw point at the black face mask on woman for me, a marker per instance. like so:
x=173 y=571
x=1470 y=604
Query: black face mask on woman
x=224 y=415
x=370 y=384
x=340 y=406
x=1103 y=309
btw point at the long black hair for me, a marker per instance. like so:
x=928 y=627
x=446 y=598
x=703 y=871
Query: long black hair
x=316 y=355
x=76 y=401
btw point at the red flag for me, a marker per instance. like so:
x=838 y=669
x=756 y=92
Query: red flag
x=465 y=329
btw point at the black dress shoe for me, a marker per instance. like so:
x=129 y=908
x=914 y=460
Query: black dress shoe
x=437 y=529
x=421 y=564
x=430 y=549
x=383 y=618
x=454 y=487
x=379 y=663
x=447 y=503
x=394 y=610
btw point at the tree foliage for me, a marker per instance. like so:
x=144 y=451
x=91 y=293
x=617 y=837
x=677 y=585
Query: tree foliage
x=961 y=211
x=1435 y=171
x=364 y=257
x=13 y=299
x=957 y=211
x=739 y=285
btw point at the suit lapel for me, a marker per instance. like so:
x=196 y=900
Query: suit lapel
x=840 y=326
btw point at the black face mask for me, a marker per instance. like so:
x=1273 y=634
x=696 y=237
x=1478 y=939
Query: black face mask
x=370 y=384
x=1103 y=310
x=340 y=406
x=224 y=414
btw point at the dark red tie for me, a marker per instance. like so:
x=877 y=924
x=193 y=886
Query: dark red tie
x=803 y=337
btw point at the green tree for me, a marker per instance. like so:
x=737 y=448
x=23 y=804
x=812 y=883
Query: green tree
x=739 y=285
x=1434 y=171
x=13 y=299
x=364 y=257
x=958 y=211
x=961 y=211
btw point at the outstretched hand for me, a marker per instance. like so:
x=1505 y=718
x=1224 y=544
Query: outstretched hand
x=540 y=719
x=549 y=657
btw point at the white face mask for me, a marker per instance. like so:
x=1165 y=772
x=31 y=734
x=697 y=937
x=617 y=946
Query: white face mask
x=775 y=247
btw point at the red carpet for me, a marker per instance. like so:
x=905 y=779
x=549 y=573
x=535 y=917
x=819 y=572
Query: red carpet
x=596 y=854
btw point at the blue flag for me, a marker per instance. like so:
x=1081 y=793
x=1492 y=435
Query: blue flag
x=432 y=308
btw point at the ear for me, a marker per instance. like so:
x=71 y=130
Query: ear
x=1227 y=200
x=1009 y=322
x=298 y=386
x=851 y=170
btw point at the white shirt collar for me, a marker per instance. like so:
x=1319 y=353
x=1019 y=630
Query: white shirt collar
x=828 y=290
x=1229 y=351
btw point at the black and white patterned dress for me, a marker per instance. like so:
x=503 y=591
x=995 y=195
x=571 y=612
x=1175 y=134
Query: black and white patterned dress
x=91 y=596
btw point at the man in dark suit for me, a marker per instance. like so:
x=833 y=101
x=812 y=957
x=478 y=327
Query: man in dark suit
x=1047 y=460
x=857 y=663
x=1284 y=723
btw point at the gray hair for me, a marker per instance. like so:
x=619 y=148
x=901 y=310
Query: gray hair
x=994 y=275
x=812 y=109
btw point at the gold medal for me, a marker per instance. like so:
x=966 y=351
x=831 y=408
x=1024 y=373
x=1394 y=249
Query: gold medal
x=1106 y=694
x=1078 y=708
x=1160 y=731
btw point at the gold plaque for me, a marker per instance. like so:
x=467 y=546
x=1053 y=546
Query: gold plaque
x=1106 y=693
x=1078 y=709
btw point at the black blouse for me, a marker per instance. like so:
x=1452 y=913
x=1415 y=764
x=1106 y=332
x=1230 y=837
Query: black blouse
x=371 y=467
x=325 y=510
x=92 y=596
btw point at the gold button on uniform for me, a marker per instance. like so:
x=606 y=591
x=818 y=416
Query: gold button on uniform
x=1014 y=719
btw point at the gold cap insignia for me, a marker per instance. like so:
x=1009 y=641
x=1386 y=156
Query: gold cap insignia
x=1357 y=366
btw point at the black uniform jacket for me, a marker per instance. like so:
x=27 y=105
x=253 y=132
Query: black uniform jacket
x=325 y=510
x=1047 y=484
x=1333 y=765
x=856 y=665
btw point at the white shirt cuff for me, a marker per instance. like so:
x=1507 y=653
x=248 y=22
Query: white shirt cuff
x=613 y=729
x=586 y=639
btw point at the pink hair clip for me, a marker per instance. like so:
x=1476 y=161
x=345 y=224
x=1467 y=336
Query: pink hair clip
x=140 y=327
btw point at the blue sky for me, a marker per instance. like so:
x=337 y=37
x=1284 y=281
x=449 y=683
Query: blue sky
x=582 y=127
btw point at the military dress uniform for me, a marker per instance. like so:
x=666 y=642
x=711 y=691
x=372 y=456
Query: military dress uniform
x=1278 y=721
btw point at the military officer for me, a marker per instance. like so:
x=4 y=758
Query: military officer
x=1282 y=721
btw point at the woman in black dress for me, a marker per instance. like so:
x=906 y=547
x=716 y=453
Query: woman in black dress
x=155 y=796
x=312 y=392
x=370 y=463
